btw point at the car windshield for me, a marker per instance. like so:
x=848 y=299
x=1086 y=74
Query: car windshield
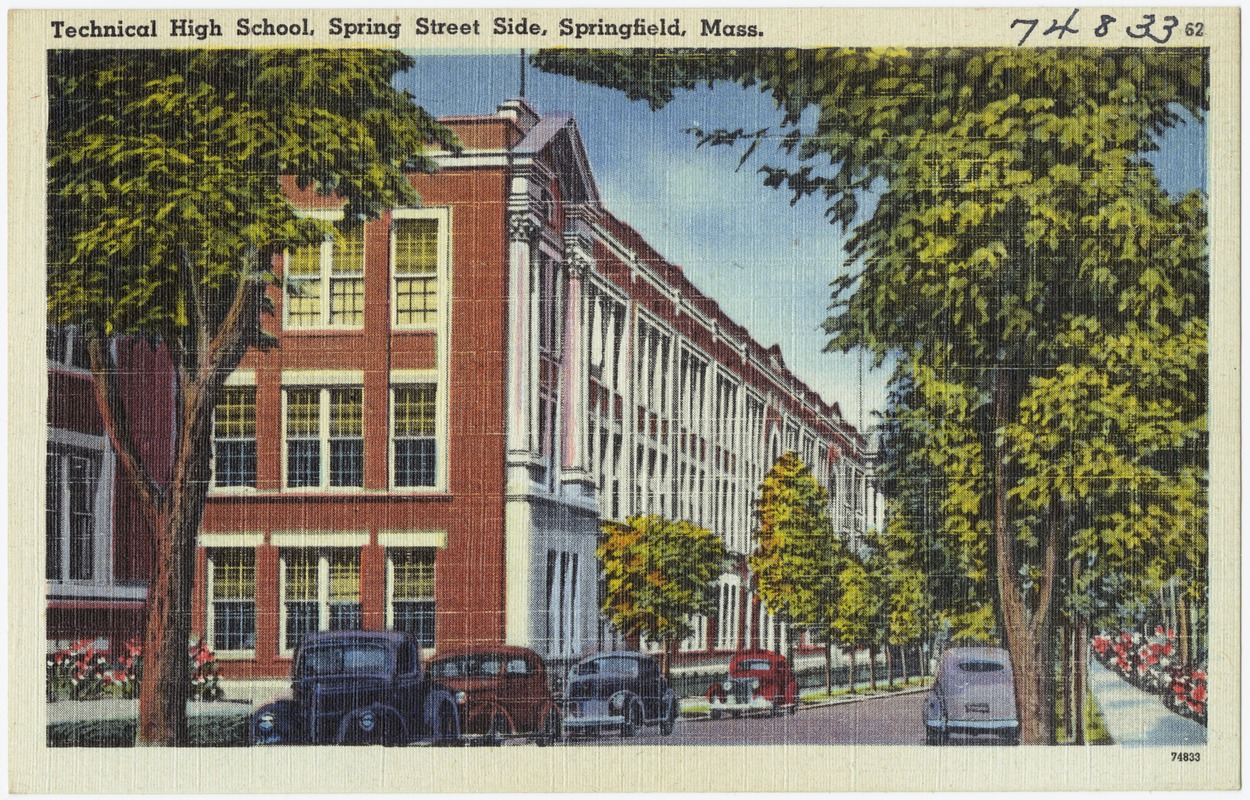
x=341 y=659
x=610 y=666
x=755 y=665
x=477 y=665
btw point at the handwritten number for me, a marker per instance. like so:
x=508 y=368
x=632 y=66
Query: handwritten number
x=1104 y=25
x=1063 y=28
x=1147 y=23
x=1032 y=23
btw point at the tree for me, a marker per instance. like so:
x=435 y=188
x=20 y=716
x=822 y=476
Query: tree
x=794 y=563
x=658 y=572
x=166 y=216
x=858 y=604
x=1007 y=235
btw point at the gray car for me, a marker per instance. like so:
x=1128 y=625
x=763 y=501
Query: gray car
x=973 y=694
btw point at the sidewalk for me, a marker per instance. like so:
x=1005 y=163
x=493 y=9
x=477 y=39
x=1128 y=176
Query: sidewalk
x=1138 y=719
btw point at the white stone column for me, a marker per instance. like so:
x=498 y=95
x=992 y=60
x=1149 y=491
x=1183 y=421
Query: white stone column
x=573 y=397
x=520 y=438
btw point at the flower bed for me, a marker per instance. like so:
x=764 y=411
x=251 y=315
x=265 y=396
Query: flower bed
x=81 y=672
x=1149 y=663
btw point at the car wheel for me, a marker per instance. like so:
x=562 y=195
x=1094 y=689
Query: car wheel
x=498 y=730
x=1012 y=737
x=553 y=729
x=633 y=720
x=935 y=737
x=794 y=707
x=668 y=722
x=714 y=714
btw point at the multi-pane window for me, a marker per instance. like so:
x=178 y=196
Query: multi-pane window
x=232 y=598
x=411 y=579
x=320 y=591
x=415 y=435
x=325 y=443
x=234 y=437
x=415 y=269
x=66 y=347
x=72 y=499
x=325 y=284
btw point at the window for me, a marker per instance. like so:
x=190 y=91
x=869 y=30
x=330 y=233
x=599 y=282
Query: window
x=415 y=435
x=320 y=592
x=410 y=576
x=67 y=348
x=325 y=443
x=325 y=284
x=234 y=437
x=232 y=598
x=415 y=269
x=77 y=514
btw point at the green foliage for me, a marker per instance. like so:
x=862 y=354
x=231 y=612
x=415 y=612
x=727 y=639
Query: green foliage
x=1043 y=299
x=657 y=573
x=164 y=170
x=797 y=551
x=856 y=608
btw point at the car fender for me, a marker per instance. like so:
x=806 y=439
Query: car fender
x=437 y=699
x=288 y=723
x=716 y=692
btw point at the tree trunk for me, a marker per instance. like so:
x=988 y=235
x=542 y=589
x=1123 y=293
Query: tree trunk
x=828 y=668
x=851 y=679
x=208 y=350
x=1080 y=678
x=872 y=667
x=1182 y=614
x=1025 y=632
x=889 y=666
x=1065 y=680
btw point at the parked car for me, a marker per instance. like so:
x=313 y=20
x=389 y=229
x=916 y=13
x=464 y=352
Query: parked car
x=501 y=691
x=759 y=681
x=619 y=691
x=973 y=693
x=359 y=687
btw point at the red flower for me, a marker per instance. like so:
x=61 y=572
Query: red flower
x=1200 y=692
x=1158 y=630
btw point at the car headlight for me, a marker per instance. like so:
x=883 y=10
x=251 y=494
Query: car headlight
x=367 y=721
x=728 y=686
x=461 y=698
x=616 y=703
x=755 y=683
x=264 y=722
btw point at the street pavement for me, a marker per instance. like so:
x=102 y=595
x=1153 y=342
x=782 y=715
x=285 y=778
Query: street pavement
x=886 y=720
x=1135 y=718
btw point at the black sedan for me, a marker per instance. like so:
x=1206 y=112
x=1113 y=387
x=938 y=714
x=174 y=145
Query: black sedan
x=619 y=691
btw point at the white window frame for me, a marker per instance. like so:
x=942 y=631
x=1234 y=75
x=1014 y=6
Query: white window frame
x=442 y=271
x=323 y=588
x=400 y=379
x=210 y=597
x=244 y=381
x=327 y=262
x=71 y=341
x=323 y=433
x=102 y=509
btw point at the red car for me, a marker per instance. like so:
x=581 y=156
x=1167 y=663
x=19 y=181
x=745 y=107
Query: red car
x=759 y=680
x=501 y=691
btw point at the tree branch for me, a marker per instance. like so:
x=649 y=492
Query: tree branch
x=116 y=425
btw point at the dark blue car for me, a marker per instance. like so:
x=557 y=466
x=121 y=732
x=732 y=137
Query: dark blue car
x=619 y=692
x=359 y=687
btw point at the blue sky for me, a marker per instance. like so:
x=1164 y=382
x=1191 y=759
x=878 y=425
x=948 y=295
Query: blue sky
x=767 y=263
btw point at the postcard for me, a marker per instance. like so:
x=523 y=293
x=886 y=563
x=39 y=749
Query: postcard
x=578 y=400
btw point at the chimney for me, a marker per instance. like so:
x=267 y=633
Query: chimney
x=519 y=111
